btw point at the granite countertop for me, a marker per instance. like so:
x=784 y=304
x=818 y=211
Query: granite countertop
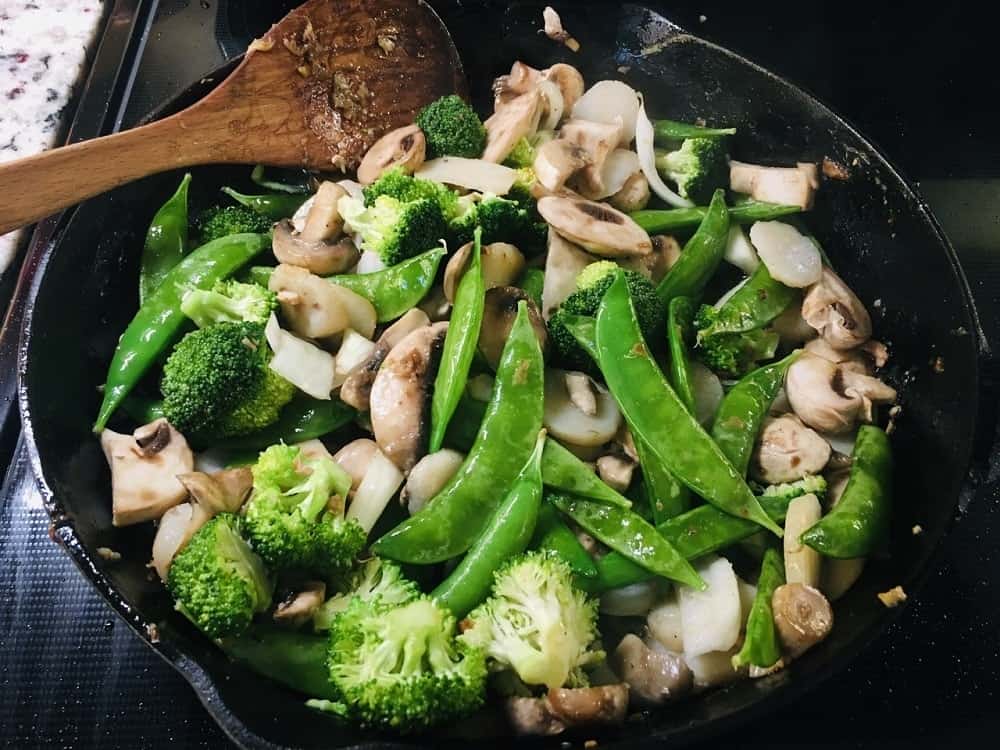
x=43 y=54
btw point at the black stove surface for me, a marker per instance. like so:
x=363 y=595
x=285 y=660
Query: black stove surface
x=73 y=675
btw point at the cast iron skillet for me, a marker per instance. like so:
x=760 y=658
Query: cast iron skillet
x=877 y=231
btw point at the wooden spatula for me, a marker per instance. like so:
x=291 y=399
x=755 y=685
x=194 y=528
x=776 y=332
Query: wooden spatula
x=316 y=91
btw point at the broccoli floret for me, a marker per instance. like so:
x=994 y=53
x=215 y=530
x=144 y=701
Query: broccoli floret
x=502 y=220
x=452 y=128
x=217 y=580
x=393 y=229
x=295 y=516
x=377 y=579
x=220 y=221
x=216 y=383
x=229 y=302
x=732 y=354
x=698 y=167
x=402 y=668
x=523 y=155
x=592 y=283
x=405 y=188
x=536 y=623
x=778 y=496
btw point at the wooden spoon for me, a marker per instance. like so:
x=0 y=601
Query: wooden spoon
x=316 y=91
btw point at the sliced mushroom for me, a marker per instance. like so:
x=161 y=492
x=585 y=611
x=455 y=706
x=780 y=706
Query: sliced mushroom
x=598 y=139
x=357 y=387
x=654 y=266
x=853 y=360
x=633 y=196
x=516 y=120
x=803 y=564
x=595 y=226
x=222 y=491
x=569 y=424
x=403 y=148
x=653 y=675
x=501 y=264
x=802 y=616
x=521 y=79
x=558 y=160
x=533 y=716
x=830 y=307
x=399 y=395
x=323 y=220
x=554 y=30
x=788 y=450
x=144 y=468
x=499 y=313
x=563 y=263
x=427 y=477
x=569 y=80
x=594 y=705
x=794 y=186
x=582 y=393
x=315 y=308
x=299 y=606
x=354 y=458
x=830 y=398
x=616 y=471
x=322 y=258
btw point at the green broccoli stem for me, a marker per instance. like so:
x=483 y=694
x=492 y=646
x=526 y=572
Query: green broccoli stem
x=672 y=130
x=296 y=660
x=658 y=221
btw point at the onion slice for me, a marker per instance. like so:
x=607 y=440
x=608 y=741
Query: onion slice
x=473 y=174
x=304 y=365
x=381 y=481
x=554 y=104
x=618 y=167
x=647 y=158
x=171 y=535
x=739 y=251
x=606 y=101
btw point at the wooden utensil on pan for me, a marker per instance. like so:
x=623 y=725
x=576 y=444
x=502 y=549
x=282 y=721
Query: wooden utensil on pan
x=315 y=91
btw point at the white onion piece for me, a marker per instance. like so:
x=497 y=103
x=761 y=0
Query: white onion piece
x=369 y=262
x=739 y=251
x=381 y=481
x=354 y=189
x=647 y=159
x=712 y=669
x=629 y=601
x=618 y=167
x=304 y=365
x=354 y=458
x=171 y=534
x=354 y=349
x=607 y=100
x=711 y=618
x=664 y=623
x=299 y=217
x=554 y=104
x=474 y=174
x=790 y=257
x=708 y=393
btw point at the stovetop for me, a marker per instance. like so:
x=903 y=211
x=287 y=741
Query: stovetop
x=73 y=675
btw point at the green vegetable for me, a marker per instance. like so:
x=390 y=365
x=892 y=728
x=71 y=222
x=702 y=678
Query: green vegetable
x=229 y=302
x=701 y=255
x=218 y=581
x=680 y=314
x=158 y=321
x=296 y=660
x=142 y=409
x=563 y=471
x=216 y=383
x=465 y=422
x=501 y=220
x=166 y=240
x=698 y=167
x=275 y=207
x=290 y=519
x=628 y=534
x=405 y=188
x=659 y=418
x=554 y=536
x=859 y=522
x=394 y=229
x=402 y=668
x=453 y=519
x=761 y=647
x=217 y=222
x=536 y=623
x=459 y=345
x=301 y=186
x=452 y=128
x=743 y=409
x=671 y=130
x=734 y=354
x=664 y=221
x=784 y=493
x=397 y=289
x=532 y=281
x=376 y=581
x=507 y=534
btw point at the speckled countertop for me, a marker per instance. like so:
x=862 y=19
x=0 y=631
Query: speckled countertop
x=43 y=54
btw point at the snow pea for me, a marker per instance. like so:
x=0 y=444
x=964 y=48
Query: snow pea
x=672 y=130
x=297 y=660
x=859 y=522
x=259 y=275
x=554 y=535
x=658 y=221
x=561 y=470
x=743 y=408
x=276 y=206
x=657 y=416
x=532 y=281
x=258 y=177
x=166 y=240
x=755 y=304
x=761 y=647
x=507 y=534
x=453 y=519
x=680 y=317
x=396 y=289
x=459 y=344
x=701 y=254
x=160 y=318
x=631 y=536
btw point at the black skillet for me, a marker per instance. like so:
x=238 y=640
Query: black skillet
x=877 y=231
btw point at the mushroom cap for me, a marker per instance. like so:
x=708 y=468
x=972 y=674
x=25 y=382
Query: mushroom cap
x=323 y=220
x=319 y=257
x=499 y=313
x=521 y=79
x=605 y=704
x=654 y=266
x=831 y=398
x=787 y=450
x=634 y=195
x=569 y=80
x=566 y=422
x=654 y=675
x=597 y=227
x=558 y=160
x=597 y=139
x=501 y=265
x=354 y=458
x=836 y=313
x=404 y=148
x=802 y=616
x=315 y=308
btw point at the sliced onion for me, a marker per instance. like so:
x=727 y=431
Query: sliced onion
x=370 y=262
x=607 y=100
x=299 y=217
x=554 y=105
x=647 y=158
x=302 y=364
x=708 y=393
x=354 y=349
x=629 y=601
x=790 y=256
x=354 y=189
x=171 y=535
x=618 y=167
x=739 y=251
x=474 y=174
x=381 y=481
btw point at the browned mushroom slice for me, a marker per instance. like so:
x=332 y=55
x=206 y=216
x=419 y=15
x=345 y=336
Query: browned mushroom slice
x=634 y=194
x=569 y=80
x=323 y=221
x=836 y=313
x=654 y=675
x=802 y=616
x=597 y=139
x=402 y=148
x=521 y=79
x=558 y=160
x=518 y=119
x=299 y=606
x=654 y=265
x=606 y=704
x=319 y=257
x=399 y=395
x=499 y=312
x=597 y=227
x=501 y=264
x=788 y=450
